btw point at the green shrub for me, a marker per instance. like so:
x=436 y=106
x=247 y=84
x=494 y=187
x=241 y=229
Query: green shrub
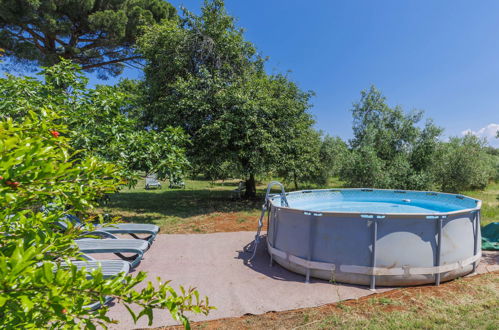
x=103 y=121
x=37 y=167
x=463 y=164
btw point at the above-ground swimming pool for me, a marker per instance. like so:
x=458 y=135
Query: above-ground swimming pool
x=373 y=237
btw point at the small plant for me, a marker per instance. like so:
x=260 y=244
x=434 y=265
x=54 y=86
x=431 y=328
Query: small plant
x=383 y=301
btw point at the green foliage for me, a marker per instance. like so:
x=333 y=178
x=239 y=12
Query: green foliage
x=493 y=155
x=204 y=77
x=102 y=121
x=333 y=154
x=463 y=164
x=389 y=150
x=155 y=152
x=209 y=43
x=98 y=35
x=40 y=286
x=301 y=158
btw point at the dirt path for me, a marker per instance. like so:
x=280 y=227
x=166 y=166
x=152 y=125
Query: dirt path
x=218 y=222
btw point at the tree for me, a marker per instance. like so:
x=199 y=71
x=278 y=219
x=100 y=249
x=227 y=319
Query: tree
x=98 y=35
x=301 y=160
x=204 y=77
x=464 y=164
x=40 y=285
x=389 y=149
x=102 y=121
x=206 y=44
x=333 y=154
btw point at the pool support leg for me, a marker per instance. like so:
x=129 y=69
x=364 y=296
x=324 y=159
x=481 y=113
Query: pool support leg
x=374 y=231
x=274 y=233
x=311 y=226
x=309 y=253
x=439 y=250
x=475 y=233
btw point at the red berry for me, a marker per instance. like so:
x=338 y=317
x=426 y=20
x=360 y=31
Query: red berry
x=1 y=177
x=64 y=311
x=55 y=134
x=13 y=184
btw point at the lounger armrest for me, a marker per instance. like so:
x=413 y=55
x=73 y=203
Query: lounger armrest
x=101 y=233
x=87 y=257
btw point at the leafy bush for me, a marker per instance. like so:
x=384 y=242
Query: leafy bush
x=363 y=169
x=463 y=164
x=37 y=167
x=102 y=121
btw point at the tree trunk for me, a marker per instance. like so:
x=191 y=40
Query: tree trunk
x=250 y=187
x=296 y=181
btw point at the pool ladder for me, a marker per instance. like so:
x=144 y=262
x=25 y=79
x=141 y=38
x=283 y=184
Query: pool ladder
x=265 y=207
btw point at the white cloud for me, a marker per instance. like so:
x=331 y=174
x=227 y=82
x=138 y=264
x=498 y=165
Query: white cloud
x=488 y=132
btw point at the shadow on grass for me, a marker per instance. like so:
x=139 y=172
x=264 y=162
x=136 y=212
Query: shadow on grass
x=144 y=206
x=232 y=184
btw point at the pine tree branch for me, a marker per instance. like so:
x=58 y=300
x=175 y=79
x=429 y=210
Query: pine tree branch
x=96 y=65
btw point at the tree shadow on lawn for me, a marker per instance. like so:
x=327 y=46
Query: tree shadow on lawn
x=232 y=184
x=144 y=206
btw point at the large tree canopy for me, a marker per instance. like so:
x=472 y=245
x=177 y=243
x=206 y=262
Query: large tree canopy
x=98 y=35
x=204 y=77
x=208 y=45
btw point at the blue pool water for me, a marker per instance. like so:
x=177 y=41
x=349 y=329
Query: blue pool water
x=378 y=201
x=384 y=206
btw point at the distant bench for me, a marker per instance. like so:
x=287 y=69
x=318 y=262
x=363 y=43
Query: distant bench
x=152 y=182
x=176 y=183
x=241 y=188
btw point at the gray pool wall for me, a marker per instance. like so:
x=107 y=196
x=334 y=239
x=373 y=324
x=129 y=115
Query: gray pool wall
x=375 y=249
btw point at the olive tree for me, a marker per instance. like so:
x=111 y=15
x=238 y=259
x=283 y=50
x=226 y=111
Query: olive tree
x=333 y=154
x=464 y=164
x=389 y=149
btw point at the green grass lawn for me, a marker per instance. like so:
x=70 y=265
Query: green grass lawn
x=183 y=210
x=490 y=202
x=205 y=206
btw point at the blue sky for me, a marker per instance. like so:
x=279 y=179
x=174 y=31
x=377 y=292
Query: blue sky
x=438 y=56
